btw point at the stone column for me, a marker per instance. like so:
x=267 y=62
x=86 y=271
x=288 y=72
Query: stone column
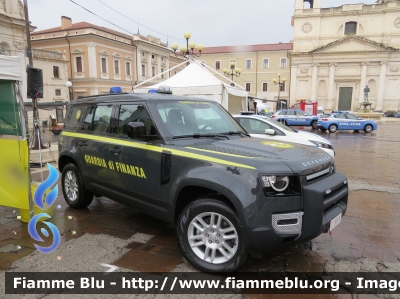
x=139 y=65
x=314 y=81
x=149 y=66
x=92 y=56
x=381 y=87
x=293 y=84
x=331 y=85
x=362 y=82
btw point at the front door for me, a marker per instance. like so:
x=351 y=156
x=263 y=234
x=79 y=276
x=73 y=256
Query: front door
x=345 y=96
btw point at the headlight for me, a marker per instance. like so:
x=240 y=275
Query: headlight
x=278 y=183
x=321 y=144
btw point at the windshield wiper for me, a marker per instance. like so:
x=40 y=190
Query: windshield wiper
x=236 y=133
x=198 y=135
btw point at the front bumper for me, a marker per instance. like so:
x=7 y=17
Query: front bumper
x=323 y=200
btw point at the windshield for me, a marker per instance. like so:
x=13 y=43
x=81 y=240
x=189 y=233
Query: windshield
x=195 y=117
x=280 y=125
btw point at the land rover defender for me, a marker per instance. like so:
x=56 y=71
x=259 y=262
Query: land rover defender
x=188 y=162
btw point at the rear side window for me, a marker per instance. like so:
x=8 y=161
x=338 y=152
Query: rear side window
x=290 y=112
x=75 y=116
x=301 y=113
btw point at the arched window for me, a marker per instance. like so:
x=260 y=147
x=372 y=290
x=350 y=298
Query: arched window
x=350 y=28
x=308 y=4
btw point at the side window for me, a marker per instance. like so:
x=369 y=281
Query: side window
x=300 y=113
x=290 y=112
x=87 y=122
x=351 y=116
x=75 y=116
x=339 y=116
x=102 y=119
x=135 y=113
x=254 y=126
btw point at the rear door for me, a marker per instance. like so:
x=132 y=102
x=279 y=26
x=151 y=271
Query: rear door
x=302 y=119
x=290 y=117
x=93 y=145
x=340 y=121
x=135 y=165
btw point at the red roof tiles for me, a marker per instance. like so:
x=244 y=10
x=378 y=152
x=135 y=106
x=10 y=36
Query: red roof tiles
x=82 y=25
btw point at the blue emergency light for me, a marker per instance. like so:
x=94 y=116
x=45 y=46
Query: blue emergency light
x=152 y=90
x=116 y=89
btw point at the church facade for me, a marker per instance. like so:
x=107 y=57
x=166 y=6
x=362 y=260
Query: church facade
x=342 y=54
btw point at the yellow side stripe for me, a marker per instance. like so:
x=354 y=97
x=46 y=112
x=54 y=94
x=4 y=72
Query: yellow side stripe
x=158 y=149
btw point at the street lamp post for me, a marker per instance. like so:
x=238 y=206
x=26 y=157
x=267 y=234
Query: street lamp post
x=187 y=50
x=69 y=85
x=281 y=83
x=232 y=72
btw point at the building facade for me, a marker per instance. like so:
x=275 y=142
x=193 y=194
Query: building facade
x=260 y=64
x=100 y=58
x=13 y=34
x=55 y=75
x=341 y=53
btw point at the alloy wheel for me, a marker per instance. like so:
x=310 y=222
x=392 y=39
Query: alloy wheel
x=71 y=186
x=213 y=238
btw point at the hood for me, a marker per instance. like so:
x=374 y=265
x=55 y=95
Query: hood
x=264 y=155
x=312 y=136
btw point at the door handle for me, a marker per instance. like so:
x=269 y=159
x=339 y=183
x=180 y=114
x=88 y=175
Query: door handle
x=82 y=143
x=115 y=150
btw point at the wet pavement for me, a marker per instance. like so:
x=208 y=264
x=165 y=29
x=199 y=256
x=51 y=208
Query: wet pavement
x=367 y=239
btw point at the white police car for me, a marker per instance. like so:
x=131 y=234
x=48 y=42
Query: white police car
x=345 y=121
x=263 y=127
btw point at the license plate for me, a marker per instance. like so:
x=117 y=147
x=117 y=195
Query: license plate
x=335 y=221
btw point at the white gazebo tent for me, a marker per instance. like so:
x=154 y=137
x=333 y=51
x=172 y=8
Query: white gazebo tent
x=196 y=81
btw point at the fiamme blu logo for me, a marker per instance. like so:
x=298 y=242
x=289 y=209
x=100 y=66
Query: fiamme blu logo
x=45 y=200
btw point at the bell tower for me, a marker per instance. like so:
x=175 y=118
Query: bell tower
x=314 y=4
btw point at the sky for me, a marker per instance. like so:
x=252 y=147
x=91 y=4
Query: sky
x=210 y=22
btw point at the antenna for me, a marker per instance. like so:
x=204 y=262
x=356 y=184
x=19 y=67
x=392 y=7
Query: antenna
x=138 y=26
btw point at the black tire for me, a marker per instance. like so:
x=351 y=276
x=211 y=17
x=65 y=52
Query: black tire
x=333 y=128
x=183 y=228
x=356 y=131
x=314 y=125
x=322 y=129
x=368 y=128
x=84 y=197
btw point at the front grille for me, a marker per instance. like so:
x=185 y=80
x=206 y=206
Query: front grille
x=320 y=174
x=331 y=200
x=226 y=150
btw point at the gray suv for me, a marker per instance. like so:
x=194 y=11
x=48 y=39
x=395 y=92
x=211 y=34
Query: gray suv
x=188 y=162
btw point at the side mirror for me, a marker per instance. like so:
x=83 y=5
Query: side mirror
x=358 y=117
x=136 y=130
x=269 y=131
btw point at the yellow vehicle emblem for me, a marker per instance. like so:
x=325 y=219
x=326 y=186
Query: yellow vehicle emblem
x=278 y=144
